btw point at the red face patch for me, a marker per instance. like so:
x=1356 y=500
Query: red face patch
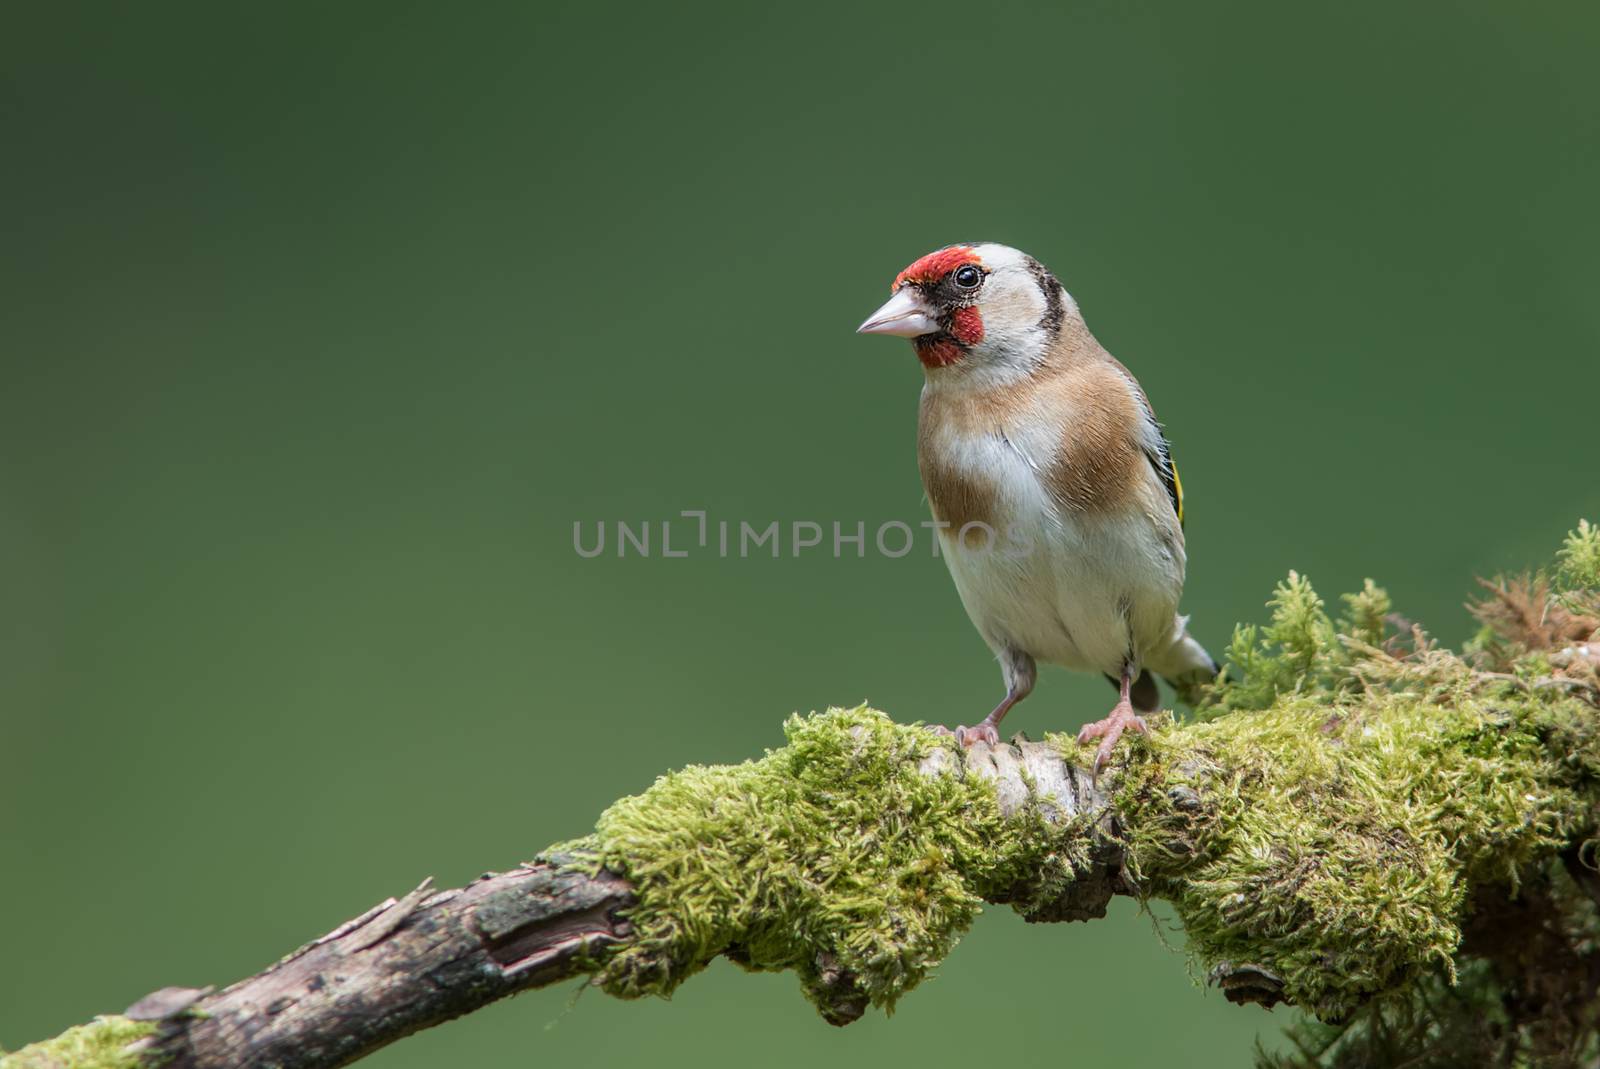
x=936 y=350
x=936 y=265
x=966 y=325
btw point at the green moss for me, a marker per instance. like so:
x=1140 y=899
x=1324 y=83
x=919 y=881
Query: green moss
x=1330 y=827
x=1297 y=652
x=1578 y=561
x=830 y=856
x=100 y=1044
x=1458 y=1022
x=1338 y=812
x=1334 y=846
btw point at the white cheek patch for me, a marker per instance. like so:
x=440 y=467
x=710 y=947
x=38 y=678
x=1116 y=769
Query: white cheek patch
x=1013 y=340
x=1013 y=310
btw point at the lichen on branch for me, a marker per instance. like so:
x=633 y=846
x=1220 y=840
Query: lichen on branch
x=110 y=1042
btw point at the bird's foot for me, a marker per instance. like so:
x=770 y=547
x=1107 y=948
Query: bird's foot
x=1108 y=731
x=983 y=731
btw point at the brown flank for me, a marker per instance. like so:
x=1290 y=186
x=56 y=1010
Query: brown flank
x=954 y=498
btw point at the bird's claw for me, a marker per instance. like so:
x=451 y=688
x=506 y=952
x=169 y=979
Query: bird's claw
x=980 y=732
x=1109 y=730
x=969 y=736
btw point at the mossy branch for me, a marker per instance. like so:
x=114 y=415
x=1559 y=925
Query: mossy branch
x=1396 y=838
x=856 y=855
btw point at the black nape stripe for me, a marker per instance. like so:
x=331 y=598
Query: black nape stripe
x=1054 y=312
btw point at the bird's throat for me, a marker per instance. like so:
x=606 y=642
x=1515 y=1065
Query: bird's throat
x=938 y=350
x=950 y=346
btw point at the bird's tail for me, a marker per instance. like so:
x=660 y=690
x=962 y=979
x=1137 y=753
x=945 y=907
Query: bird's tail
x=1184 y=663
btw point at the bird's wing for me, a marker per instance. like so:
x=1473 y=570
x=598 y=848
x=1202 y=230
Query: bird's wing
x=1160 y=457
x=1154 y=442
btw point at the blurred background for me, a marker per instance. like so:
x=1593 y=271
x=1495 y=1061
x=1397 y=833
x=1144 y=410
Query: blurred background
x=323 y=324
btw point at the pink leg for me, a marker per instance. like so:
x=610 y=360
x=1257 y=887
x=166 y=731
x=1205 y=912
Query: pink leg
x=1020 y=674
x=988 y=729
x=1120 y=719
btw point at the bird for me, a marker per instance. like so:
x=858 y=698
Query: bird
x=1057 y=505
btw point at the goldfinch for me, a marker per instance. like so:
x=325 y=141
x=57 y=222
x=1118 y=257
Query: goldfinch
x=1059 y=510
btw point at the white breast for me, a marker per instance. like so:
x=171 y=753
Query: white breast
x=1067 y=588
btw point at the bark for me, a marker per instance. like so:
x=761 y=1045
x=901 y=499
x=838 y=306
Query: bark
x=401 y=966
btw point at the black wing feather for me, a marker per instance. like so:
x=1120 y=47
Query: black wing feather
x=1167 y=471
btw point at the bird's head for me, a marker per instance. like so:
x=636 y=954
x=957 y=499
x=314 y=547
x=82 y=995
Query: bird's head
x=981 y=305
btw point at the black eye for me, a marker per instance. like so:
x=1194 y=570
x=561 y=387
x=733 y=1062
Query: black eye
x=968 y=277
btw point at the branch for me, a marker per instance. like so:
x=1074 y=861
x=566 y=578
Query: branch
x=1397 y=839
x=430 y=956
x=857 y=855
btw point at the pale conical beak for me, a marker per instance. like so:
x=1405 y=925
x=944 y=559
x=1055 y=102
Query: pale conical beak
x=906 y=315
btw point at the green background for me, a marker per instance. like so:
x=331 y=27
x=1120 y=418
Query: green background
x=324 y=323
